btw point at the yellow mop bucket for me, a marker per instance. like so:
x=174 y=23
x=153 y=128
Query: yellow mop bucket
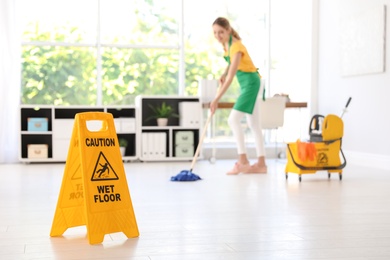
x=310 y=157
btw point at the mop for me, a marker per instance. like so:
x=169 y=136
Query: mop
x=189 y=175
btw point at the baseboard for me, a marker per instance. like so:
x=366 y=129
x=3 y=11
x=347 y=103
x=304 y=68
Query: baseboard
x=377 y=161
x=353 y=158
x=229 y=151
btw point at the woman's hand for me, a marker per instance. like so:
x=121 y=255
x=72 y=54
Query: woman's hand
x=213 y=106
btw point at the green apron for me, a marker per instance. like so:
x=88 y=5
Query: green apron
x=249 y=87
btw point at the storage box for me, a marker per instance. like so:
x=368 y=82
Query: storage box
x=154 y=145
x=127 y=125
x=124 y=125
x=117 y=124
x=37 y=124
x=190 y=114
x=60 y=149
x=37 y=151
x=62 y=128
x=184 y=150
x=184 y=137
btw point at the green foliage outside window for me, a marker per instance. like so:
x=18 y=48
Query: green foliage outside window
x=129 y=72
x=58 y=75
x=63 y=75
x=65 y=72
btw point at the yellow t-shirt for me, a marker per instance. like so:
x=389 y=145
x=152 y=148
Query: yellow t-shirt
x=246 y=64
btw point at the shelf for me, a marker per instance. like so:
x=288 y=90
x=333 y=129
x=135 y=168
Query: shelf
x=35 y=132
x=164 y=146
x=35 y=139
x=35 y=112
x=36 y=160
x=60 y=123
x=131 y=149
x=164 y=128
x=69 y=112
x=122 y=112
x=169 y=159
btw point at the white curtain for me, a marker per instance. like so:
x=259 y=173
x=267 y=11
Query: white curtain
x=10 y=70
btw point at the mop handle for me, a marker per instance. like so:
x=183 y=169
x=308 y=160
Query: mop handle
x=349 y=101
x=200 y=141
x=346 y=106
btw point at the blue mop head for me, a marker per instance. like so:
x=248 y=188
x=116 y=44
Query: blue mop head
x=185 y=176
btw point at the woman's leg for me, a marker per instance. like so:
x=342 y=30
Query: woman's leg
x=254 y=124
x=234 y=122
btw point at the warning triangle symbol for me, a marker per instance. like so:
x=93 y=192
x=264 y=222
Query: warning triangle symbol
x=103 y=170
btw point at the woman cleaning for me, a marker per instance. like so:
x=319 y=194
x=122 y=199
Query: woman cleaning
x=248 y=103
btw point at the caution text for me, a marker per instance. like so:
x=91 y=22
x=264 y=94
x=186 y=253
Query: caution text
x=106 y=194
x=99 y=142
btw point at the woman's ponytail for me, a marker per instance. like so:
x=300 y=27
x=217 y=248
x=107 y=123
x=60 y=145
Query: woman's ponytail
x=224 y=23
x=235 y=34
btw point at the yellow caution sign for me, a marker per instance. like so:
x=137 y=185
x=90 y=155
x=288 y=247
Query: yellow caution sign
x=94 y=190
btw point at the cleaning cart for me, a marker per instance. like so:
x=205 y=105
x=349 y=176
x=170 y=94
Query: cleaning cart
x=322 y=152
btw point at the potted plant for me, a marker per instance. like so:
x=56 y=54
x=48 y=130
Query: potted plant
x=162 y=113
x=122 y=145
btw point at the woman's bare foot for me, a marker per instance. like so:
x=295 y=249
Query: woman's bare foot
x=256 y=168
x=238 y=167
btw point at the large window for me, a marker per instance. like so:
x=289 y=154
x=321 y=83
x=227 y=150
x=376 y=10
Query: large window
x=101 y=52
x=109 y=51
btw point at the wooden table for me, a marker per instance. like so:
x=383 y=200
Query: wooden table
x=231 y=104
x=227 y=105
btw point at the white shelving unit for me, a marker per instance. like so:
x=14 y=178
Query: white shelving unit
x=60 y=120
x=178 y=140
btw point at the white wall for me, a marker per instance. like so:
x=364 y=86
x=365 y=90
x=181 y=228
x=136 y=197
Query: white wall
x=367 y=124
x=10 y=68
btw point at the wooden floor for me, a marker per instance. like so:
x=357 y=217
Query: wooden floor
x=248 y=216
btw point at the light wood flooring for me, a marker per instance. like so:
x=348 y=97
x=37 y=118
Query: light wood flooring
x=252 y=216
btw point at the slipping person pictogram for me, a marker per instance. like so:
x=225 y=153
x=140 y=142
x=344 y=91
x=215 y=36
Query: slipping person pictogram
x=103 y=170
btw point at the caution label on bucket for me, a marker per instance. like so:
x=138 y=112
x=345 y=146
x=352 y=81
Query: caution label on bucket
x=322 y=159
x=94 y=189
